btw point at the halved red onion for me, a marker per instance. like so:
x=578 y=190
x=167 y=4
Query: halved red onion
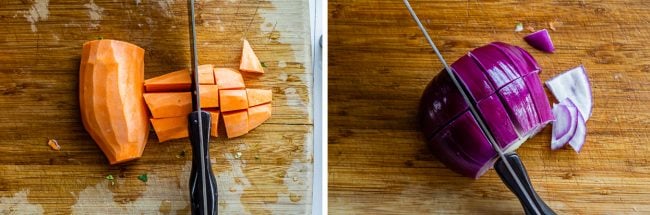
x=541 y=40
x=564 y=125
x=500 y=80
x=573 y=84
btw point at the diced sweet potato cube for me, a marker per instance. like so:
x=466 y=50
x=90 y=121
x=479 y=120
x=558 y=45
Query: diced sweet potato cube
x=236 y=123
x=232 y=100
x=258 y=97
x=258 y=115
x=228 y=79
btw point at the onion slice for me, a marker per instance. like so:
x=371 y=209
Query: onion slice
x=564 y=125
x=573 y=84
x=541 y=40
x=580 y=133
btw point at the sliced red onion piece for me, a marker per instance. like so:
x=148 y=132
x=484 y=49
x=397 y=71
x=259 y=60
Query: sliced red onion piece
x=463 y=148
x=495 y=65
x=541 y=40
x=472 y=76
x=441 y=102
x=564 y=125
x=580 y=134
x=521 y=60
x=497 y=120
x=573 y=84
x=520 y=106
x=542 y=105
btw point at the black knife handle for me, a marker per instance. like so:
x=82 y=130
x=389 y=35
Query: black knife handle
x=199 y=206
x=521 y=173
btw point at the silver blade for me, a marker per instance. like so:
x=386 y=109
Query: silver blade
x=472 y=107
x=196 y=98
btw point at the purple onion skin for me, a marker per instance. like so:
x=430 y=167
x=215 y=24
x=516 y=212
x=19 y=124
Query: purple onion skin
x=462 y=146
x=496 y=65
x=472 y=77
x=441 y=102
x=500 y=80
x=541 y=40
x=536 y=89
x=520 y=106
x=524 y=62
x=497 y=120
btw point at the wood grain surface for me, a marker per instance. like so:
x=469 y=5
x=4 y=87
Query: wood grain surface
x=380 y=63
x=268 y=171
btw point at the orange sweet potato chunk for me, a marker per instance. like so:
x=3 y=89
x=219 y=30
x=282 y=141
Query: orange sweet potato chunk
x=228 y=79
x=232 y=100
x=236 y=123
x=170 y=128
x=174 y=104
x=179 y=80
x=214 y=115
x=249 y=61
x=258 y=97
x=258 y=115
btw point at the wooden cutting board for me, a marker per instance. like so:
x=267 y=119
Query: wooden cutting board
x=380 y=63
x=267 y=171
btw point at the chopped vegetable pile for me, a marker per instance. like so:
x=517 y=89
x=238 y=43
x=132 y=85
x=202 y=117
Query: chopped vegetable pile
x=223 y=92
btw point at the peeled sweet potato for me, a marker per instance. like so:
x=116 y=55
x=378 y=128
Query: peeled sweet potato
x=111 y=77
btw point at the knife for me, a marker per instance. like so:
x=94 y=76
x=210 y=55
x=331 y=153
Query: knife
x=203 y=186
x=527 y=196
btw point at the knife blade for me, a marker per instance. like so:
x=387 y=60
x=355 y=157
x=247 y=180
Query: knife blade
x=472 y=108
x=202 y=184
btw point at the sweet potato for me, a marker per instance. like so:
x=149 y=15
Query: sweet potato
x=173 y=104
x=170 y=128
x=228 y=79
x=111 y=76
x=214 y=114
x=258 y=97
x=249 y=61
x=236 y=123
x=232 y=100
x=179 y=80
x=258 y=115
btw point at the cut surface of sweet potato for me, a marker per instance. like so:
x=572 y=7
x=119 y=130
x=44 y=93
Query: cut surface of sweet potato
x=166 y=105
x=232 y=100
x=209 y=96
x=173 y=104
x=258 y=96
x=170 y=128
x=228 y=79
x=258 y=115
x=214 y=115
x=179 y=80
x=111 y=76
x=236 y=123
x=249 y=61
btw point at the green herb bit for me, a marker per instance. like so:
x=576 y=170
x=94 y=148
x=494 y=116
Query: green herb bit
x=143 y=178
